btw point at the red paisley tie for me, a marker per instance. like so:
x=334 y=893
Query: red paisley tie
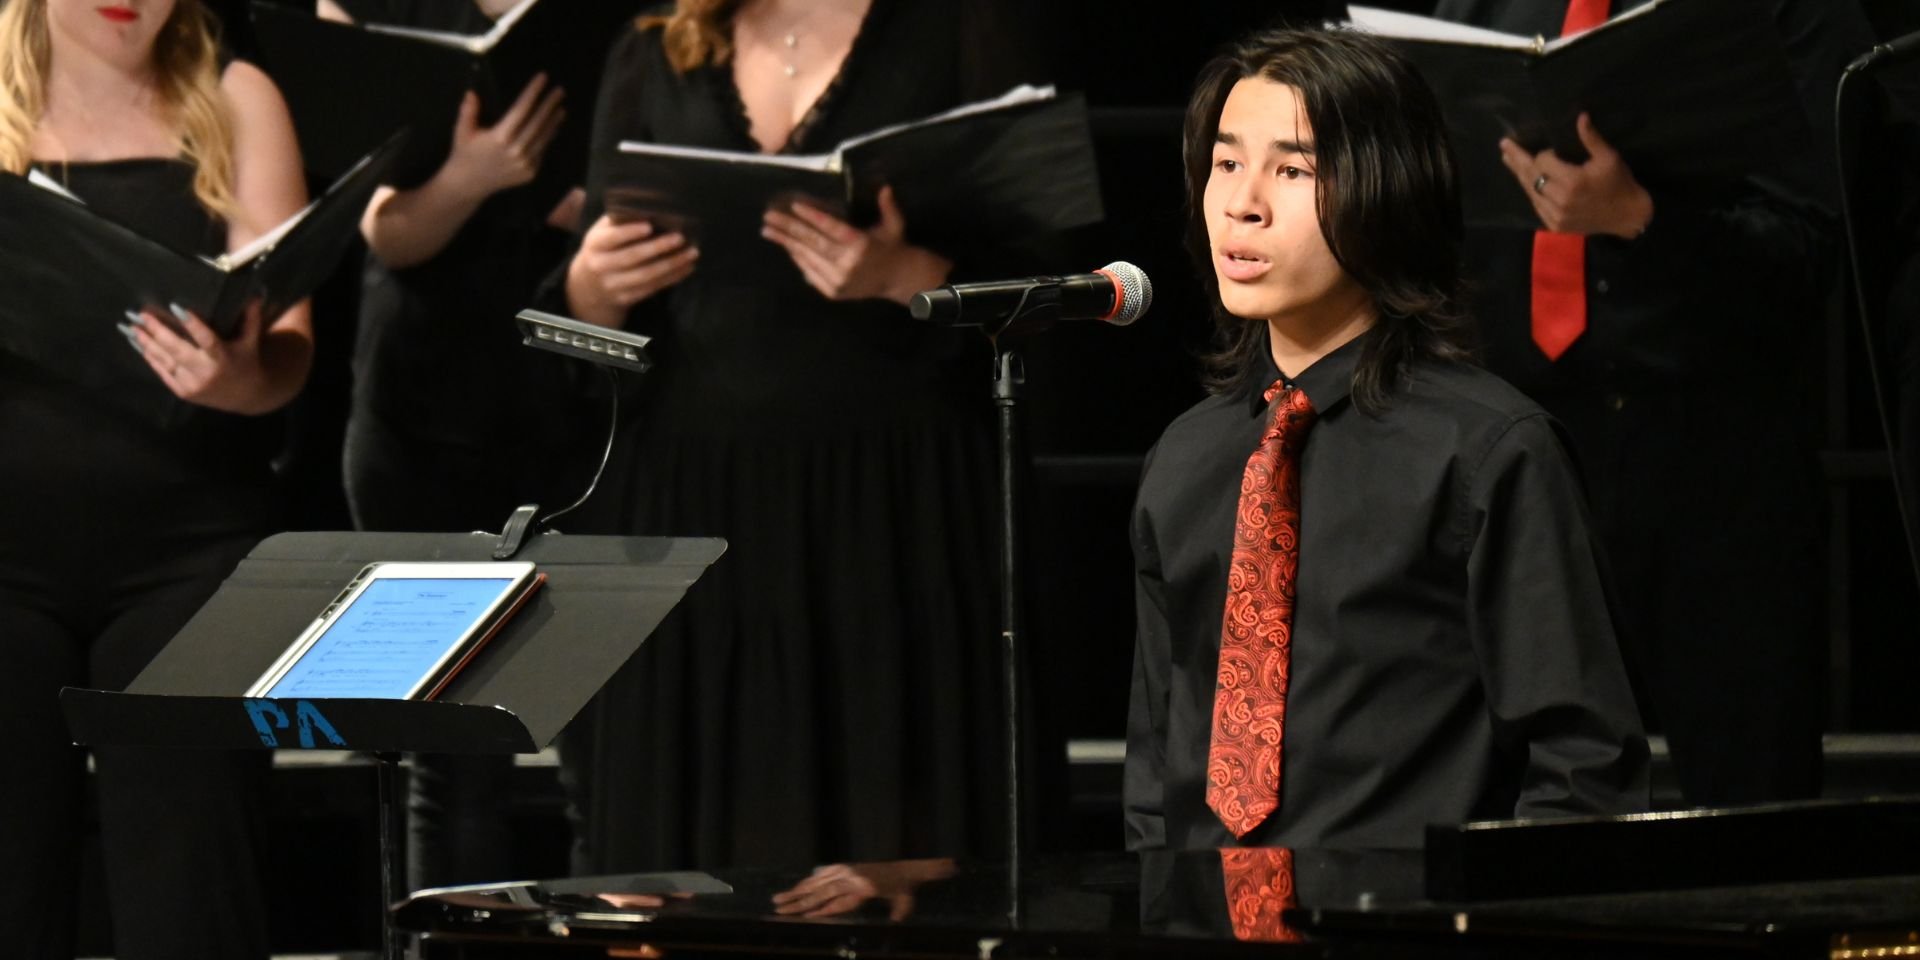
x=1256 y=632
x=1559 y=301
x=1259 y=883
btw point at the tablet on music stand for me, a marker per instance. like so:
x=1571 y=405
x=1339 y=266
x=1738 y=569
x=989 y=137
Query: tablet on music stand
x=400 y=631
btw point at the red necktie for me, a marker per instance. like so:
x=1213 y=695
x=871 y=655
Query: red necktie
x=1259 y=883
x=1560 y=259
x=1256 y=631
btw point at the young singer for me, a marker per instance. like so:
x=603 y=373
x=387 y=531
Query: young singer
x=1367 y=597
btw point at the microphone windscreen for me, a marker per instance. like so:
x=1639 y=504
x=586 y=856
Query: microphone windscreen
x=1136 y=291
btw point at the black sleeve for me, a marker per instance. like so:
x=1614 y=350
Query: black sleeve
x=1821 y=37
x=1761 y=249
x=1556 y=686
x=1144 y=780
x=999 y=50
x=619 y=113
x=1770 y=241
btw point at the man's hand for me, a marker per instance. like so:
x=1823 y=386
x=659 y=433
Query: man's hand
x=1597 y=197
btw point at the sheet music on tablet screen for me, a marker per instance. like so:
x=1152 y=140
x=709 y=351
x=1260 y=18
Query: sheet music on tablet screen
x=396 y=632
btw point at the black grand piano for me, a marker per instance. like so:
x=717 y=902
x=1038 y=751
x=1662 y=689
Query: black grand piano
x=1828 y=880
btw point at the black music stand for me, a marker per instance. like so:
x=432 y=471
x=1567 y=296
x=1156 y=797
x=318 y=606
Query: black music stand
x=603 y=596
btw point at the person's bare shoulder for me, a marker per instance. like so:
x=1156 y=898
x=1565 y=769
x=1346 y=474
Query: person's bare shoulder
x=253 y=95
x=269 y=180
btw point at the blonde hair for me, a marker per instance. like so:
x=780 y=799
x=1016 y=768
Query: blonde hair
x=695 y=33
x=186 y=67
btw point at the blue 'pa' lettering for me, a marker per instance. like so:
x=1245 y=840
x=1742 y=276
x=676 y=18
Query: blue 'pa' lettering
x=267 y=717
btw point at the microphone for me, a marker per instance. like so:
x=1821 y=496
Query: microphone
x=1117 y=293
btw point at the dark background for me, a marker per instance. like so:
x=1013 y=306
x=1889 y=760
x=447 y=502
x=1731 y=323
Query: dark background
x=1097 y=398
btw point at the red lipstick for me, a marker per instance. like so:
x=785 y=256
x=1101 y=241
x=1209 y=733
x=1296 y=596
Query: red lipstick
x=118 y=14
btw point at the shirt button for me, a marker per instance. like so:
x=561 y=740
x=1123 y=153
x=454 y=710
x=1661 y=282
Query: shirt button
x=1615 y=402
x=1601 y=286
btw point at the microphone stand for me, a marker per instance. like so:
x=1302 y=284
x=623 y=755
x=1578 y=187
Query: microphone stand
x=1131 y=294
x=1009 y=376
x=1848 y=134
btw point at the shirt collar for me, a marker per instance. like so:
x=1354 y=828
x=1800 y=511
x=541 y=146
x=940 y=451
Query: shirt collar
x=1328 y=382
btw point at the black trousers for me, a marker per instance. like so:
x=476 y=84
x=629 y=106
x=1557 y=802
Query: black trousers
x=178 y=828
x=1716 y=548
x=459 y=828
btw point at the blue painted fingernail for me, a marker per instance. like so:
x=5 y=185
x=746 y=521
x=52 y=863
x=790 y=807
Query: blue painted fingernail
x=179 y=312
x=134 y=318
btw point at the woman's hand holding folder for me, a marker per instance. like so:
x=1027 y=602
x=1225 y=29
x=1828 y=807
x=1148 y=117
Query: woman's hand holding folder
x=406 y=228
x=232 y=375
x=844 y=262
x=487 y=160
x=621 y=264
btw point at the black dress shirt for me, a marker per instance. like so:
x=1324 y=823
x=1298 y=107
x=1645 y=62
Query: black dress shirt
x=1453 y=652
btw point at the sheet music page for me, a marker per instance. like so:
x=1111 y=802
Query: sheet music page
x=1409 y=26
x=816 y=162
x=41 y=180
x=234 y=259
x=831 y=162
x=1024 y=93
x=504 y=24
x=468 y=42
x=394 y=634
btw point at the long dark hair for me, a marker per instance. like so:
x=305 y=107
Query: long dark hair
x=1388 y=203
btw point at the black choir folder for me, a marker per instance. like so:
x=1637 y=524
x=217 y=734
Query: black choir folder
x=1689 y=92
x=995 y=170
x=71 y=275
x=350 y=86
